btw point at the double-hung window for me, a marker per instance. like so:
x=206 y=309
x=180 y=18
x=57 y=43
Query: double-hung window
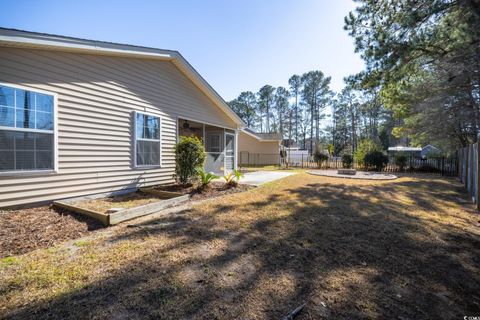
x=147 y=140
x=27 y=130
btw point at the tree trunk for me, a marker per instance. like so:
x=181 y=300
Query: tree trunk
x=354 y=130
x=311 y=127
x=296 y=116
x=317 y=111
x=267 y=129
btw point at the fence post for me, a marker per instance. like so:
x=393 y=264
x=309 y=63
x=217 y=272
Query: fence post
x=477 y=178
x=472 y=172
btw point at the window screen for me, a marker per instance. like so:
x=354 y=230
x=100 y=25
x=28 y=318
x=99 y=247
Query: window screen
x=147 y=140
x=26 y=130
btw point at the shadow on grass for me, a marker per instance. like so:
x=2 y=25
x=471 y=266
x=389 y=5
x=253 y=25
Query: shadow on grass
x=364 y=251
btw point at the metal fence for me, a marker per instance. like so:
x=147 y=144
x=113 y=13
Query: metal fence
x=468 y=171
x=437 y=165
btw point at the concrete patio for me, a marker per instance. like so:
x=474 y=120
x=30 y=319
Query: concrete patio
x=260 y=177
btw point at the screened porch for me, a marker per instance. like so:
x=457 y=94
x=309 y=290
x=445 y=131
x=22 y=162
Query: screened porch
x=220 y=144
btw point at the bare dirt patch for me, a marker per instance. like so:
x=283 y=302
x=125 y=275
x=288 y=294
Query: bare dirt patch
x=24 y=230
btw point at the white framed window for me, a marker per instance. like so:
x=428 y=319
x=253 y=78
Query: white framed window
x=147 y=144
x=28 y=130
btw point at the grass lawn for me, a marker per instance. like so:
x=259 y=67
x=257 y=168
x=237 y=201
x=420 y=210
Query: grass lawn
x=402 y=249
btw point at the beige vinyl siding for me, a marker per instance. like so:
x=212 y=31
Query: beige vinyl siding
x=97 y=95
x=247 y=143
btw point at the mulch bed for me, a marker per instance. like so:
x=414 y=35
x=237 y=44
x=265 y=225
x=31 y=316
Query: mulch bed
x=124 y=201
x=25 y=230
x=215 y=189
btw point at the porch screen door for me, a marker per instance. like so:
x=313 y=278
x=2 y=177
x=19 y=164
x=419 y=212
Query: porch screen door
x=229 y=152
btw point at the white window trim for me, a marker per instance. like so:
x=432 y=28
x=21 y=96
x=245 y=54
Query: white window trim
x=55 y=133
x=135 y=165
x=225 y=151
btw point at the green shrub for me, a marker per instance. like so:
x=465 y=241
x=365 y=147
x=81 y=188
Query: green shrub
x=364 y=147
x=331 y=149
x=347 y=161
x=401 y=161
x=376 y=160
x=189 y=156
x=205 y=177
x=319 y=157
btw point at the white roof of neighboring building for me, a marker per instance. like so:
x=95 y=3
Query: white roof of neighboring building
x=35 y=40
x=264 y=137
x=401 y=148
x=430 y=146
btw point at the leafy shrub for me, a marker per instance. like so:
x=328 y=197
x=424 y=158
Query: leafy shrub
x=347 y=161
x=319 y=157
x=232 y=178
x=331 y=149
x=189 y=156
x=376 y=160
x=205 y=177
x=364 y=147
x=401 y=161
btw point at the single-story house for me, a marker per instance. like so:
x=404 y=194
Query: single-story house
x=429 y=150
x=258 y=148
x=81 y=117
x=414 y=151
x=290 y=144
x=411 y=151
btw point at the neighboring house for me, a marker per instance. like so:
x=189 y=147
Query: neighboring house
x=429 y=149
x=258 y=148
x=81 y=117
x=310 y=144
x=290 y=144
x=411 y=151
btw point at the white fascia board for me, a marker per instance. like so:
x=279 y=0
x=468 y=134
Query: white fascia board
x=16 y=38
x=190 y=71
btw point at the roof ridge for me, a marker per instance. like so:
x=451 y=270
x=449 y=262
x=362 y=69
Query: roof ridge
x=89 y=40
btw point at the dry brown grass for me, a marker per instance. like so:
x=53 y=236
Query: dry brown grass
x=407 y=248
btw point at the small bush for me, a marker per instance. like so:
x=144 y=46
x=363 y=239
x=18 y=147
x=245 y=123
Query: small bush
x=347 y=161
x=232 y=178
x=364 y=147
x=189 y=156
x=331 y=149
x=205 y=177
x=401 y=161
x=376 y=160
x=319 y=157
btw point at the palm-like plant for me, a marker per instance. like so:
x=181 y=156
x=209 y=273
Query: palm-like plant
x=205 y=177
x=232 y=178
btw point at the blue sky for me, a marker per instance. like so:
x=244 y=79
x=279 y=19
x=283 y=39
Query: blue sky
x=235 y=45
